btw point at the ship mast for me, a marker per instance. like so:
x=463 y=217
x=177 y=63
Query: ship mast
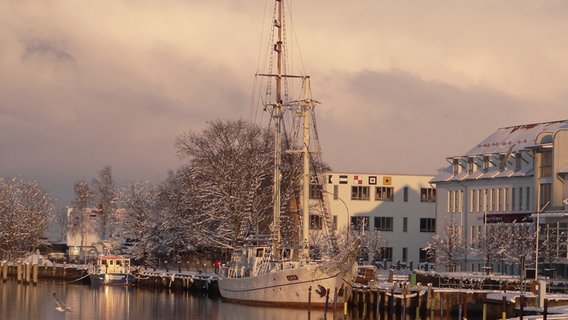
x=277 y=115
x=305 y=109
x=306 y=106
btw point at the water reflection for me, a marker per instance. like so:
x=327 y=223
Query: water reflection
x=19 y=301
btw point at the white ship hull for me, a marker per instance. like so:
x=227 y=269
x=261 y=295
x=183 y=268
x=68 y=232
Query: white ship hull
x=290 y=287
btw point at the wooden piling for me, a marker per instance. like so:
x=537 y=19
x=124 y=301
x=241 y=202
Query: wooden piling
x=4 y=271
x=19 y=272
x=35 y=273
x=503 y=308
x=27 y=273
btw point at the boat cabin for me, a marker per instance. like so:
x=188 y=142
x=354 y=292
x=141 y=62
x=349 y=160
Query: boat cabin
x=113 y=264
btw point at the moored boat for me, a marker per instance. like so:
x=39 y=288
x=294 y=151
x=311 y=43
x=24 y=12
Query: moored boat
x=263 y=270
x=111 y=270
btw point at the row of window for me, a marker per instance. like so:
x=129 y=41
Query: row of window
x=386 y=254
x=381 y=223
x=501 y=160
x=387 y=224
x=387 y=193
x=496 y=199
x=486 y=162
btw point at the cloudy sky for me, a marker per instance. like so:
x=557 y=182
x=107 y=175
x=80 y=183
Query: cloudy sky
x=403 y=84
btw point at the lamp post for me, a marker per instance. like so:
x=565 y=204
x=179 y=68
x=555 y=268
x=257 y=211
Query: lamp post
x=537 y=228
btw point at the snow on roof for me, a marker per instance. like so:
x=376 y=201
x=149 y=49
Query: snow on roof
x=515 y=138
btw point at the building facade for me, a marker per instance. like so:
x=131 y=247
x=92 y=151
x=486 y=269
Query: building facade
x=400 y=207
x=515 y=176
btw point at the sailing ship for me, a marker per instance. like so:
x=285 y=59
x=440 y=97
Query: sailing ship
x=263 y=271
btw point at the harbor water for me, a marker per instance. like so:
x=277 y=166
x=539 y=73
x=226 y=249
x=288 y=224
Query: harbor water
x=22 y=301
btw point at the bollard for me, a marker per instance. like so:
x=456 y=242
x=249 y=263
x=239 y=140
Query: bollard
x=326 y=302
x=503 y=308
x=309 y=298
x=35 y=273
x=545 y=310
x=27 y=273
x=4 y=271
x=335 y=299
x=19 y=271
x=484 y=314
x=522 y=307
x=429 y=299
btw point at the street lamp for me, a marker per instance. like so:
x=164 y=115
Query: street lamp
x=537 y=228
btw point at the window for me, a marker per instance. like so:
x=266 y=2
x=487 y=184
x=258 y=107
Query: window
x=316 y=191
x=475 y=200
x=386 y=254
x=404 y=254
x=383 y=223
x=493 y=199
x=360 y=193
x=334 y=222
x=521 y=207
x=384 y=193
x=469 y=165
x=427 y=194
x=427 y=224
x=502 y=162
x=545 y=189
x=486 y=163
x=335 y=192
x=499 y=199
x=518 y=161
x=546 y=164
x=405 y=224
x=316 y=222
x=405 y=194
x=425 y=256
x=513 y=199
x=360 y=223
x=528 y=206
x=456 y=166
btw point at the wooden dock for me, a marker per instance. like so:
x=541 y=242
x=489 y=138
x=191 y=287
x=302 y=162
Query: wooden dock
x=27 y=273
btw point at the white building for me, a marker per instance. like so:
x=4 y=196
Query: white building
x=401 y=207
x=514 y=173
x=83 y=230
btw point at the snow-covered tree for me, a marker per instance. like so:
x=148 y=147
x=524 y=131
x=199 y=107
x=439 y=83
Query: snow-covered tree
x=447 y=246
x=493 y=244
x=552 y=243
x=521 y=243
x=373 y=244
x=24 y=213
x=142 y=219
x=104 y=198
x=228 y=181
x=77 y=223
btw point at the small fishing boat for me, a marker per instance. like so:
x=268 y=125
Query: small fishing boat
x=111 y=270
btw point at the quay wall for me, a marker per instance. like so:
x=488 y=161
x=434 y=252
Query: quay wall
x=32 y=273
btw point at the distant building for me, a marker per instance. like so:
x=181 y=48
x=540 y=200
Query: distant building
x=83 y=229
x=508 y=177
x=401 y=207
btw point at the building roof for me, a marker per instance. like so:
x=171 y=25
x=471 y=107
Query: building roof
x=505 y=141
x=515 y=138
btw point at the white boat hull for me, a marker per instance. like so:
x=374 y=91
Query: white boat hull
x=307 y=285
